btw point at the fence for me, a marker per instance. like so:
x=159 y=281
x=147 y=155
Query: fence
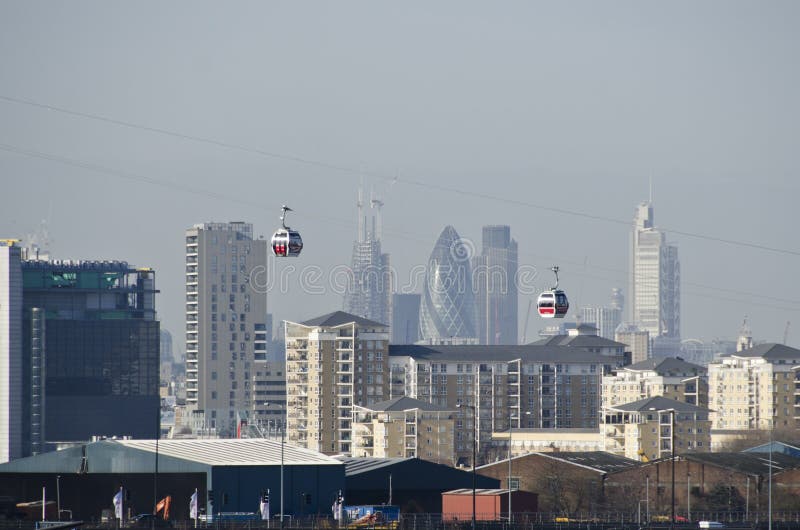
x=434 y=521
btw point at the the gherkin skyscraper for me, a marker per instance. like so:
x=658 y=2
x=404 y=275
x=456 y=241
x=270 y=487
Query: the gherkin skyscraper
x=447 y=309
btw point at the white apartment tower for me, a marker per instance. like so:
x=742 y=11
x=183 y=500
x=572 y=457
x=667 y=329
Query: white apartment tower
x=226 y=312
x=11 y=371
x=333 y=363
x=655 y=280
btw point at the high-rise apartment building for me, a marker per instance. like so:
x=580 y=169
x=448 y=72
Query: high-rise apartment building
x=670 y=377
x=404 y=427
x=333 y=363
x=494 y=278
x=369 y=293
x=226 y=332
x=11 y=359
x=755 y=388
x=637 y=340
x=558 y=384
x=643 y=430
x=405 y=318
x=655 y=283
x=447 y=310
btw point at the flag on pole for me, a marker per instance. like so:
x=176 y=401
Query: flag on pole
x=337 y=507
x=264 y=506
x=163 y=506
x=193 y=505
x=118 y=504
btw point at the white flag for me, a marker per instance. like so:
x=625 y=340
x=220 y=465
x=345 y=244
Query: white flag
x=193 y=505
x=264 y=507
x=118 y=504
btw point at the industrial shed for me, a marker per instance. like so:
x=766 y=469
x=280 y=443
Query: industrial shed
x=86 y=477
x=566 y=482
x=416 y=485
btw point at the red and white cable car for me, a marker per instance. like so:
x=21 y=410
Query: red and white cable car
x=553 y=303
x=285 y=241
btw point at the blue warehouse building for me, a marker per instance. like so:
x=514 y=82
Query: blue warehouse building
x=228 y=474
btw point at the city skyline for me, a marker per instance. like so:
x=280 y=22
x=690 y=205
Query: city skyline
x=502 y=132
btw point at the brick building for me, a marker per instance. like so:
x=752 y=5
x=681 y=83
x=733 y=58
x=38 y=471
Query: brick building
x=713 y=482
x=567 y=483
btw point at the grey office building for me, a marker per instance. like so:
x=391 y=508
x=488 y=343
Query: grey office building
x=494 y=278
x=405 y=318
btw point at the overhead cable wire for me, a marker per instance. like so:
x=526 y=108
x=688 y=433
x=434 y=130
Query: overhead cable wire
x=391 y=178
x=403 y=235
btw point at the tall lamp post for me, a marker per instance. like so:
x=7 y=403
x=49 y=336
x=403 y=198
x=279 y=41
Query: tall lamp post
x=671 y=457
x=474 y=453
x=769 y=486
x=283 y=442
x=511 y=419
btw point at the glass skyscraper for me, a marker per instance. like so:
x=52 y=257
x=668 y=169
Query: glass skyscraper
x=85 y=355
x=494 y=275
x=655 y=280
x=447 y=310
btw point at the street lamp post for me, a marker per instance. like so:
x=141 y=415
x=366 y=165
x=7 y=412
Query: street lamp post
x=510 y=456
x=283 y=441
x=671 y=457
x=769 y=491
x=769 y=483
x=474 y=454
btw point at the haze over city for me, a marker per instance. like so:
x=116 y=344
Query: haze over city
x=453 y=113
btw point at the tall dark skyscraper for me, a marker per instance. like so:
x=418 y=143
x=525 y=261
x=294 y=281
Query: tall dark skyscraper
x=494 y=278
x=369 y=294
x=447 y=310
x=405 y=319
x=87 y=362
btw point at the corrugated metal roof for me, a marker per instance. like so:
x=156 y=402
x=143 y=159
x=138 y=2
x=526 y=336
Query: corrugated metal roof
x=599 y=461
x=174 y=456
x=232 y=452
x=750 y=463
x=355 y=465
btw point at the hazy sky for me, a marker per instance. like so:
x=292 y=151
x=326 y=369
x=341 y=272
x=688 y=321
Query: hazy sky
x=567 y=105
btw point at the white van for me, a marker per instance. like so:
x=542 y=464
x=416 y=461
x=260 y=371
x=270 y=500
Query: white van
x=710 y=524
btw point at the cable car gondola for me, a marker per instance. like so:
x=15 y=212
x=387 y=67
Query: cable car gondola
x=285 y=241
x=553 y=303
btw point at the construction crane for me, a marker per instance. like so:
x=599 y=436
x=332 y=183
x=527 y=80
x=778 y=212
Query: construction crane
x=527 y=320
x=786 y=332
